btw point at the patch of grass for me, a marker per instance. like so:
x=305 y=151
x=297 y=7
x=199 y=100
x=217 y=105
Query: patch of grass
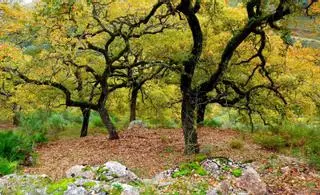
x=116 y=189
x=14 y=147
x=186 y=169
x=95 y=120
x=270 y=142
x=313 y=153
x=164 y=123
x=7 y=167
x=214 y=122
x=200 y=157
x=148 y=190
x=236 y=144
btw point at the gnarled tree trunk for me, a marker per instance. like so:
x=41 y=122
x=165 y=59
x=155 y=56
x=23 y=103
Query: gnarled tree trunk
x=188 y=102
x=188 y=124
x=85 y=122
x=105 y=117
x=201 y=110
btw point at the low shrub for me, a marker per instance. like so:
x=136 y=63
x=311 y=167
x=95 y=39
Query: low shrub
x=313 y=153
x=214 y=122
x=270 y=142
x=14 y=147
x=186 y=169
x=95 y=120
x=7 y=167
x=236 y=144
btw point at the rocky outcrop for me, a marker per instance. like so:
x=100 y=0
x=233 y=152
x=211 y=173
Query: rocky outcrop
x=111 y=171
x=251 y=182
x=114 y=178
x=80 y=171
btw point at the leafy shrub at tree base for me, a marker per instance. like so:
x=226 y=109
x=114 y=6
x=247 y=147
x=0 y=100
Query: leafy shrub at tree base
x=7 y=167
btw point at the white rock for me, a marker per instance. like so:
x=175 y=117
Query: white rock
x=79 y=171
x=127 y=189
x=211 y=167
x=74 y=190
x=136 y=124
x=119 y=172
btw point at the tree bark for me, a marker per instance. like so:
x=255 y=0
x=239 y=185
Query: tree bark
x=105 y=117
x=201 y=110
x=188 y=124
x=188 y=98
x=16 y=114
x=85 y=123
x=133 y=104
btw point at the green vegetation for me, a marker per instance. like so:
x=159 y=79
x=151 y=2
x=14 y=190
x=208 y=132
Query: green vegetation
x=7 y=167
x=237 y=71
x=237 y=172
x=236 y=144
x=58 y=188
x=186 y=169
x=298 y=139
x=14 y=149
x=116 y=189
x=271 y=142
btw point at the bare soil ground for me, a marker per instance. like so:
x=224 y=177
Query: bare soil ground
x=147 y=152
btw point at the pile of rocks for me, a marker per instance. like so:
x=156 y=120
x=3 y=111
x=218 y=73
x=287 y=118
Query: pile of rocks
x=113 y=176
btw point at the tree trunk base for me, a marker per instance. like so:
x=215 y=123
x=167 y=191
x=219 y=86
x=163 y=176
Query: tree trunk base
x=113 y=136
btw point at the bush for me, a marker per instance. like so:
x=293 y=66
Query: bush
x=41 y=124
x=313 y=153
x=14 y=147
x=57 y=121
x=95 y=120
x=297 y=134
x=72 y=117
x=214 y=122
x=186 y=169
x=270 y=142
x=236 y=144
x=34 y=126
x=7 y=167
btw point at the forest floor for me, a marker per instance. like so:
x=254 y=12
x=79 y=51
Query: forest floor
x=147 y=152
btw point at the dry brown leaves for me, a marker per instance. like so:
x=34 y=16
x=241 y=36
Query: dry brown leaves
x=147 y=152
